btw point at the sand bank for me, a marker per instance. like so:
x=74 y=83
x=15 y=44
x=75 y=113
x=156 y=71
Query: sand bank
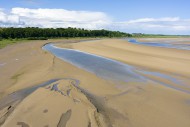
x=95 y=101
x=155 y=58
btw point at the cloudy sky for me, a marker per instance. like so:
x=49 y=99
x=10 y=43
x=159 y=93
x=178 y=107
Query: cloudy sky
x=133 y=16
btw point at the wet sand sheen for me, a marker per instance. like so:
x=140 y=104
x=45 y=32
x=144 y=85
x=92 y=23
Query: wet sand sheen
x=95 y=102
x=110 y=69
x=163 y=44
x=101 y=66
x=154 y=58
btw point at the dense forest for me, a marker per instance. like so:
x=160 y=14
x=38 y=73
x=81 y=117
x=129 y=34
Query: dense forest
x=44 y=33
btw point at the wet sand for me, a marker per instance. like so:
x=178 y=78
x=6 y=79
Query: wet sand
x=155 y=58
x=95 y=102
x=35 y=66
x=156 y=103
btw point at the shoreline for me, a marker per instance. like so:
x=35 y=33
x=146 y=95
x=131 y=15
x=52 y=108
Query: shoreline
x=105 y=103
x=55 y=62
x=148 y=55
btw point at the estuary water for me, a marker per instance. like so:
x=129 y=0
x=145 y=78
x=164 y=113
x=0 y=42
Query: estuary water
x=110 y=69
x=103 y=67
x=164 y=44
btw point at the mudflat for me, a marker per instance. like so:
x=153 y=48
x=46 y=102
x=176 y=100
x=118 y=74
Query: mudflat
x=80 y=98
x=156 y=58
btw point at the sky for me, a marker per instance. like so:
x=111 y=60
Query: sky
x=132 y=16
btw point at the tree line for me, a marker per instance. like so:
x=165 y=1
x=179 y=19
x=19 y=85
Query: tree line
x=36 y=33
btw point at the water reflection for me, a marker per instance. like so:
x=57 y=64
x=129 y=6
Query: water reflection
x=162 y=44
x=112 y=70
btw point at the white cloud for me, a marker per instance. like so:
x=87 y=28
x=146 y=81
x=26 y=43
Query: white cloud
x=144 y=20
x=8 y=19
x=167 y=25
x=59 y=14
x=25 y=17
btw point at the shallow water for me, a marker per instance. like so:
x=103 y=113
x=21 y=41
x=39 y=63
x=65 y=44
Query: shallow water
x=111 y=70
x=105 y=68
x=178 y=83
x=101 y=66
x=164 y=44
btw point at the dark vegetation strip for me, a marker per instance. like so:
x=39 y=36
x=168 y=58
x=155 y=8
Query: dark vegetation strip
x=43 y=33
x=14 y=35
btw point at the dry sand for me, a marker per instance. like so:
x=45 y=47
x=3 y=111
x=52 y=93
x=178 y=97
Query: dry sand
x=155 y=58
x=94 y=102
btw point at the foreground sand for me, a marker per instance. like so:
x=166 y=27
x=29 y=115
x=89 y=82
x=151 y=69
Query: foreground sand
x=66 y=105
x=93 y=102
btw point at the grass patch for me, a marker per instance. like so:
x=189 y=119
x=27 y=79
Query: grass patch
x=6 y=42
x=45 y=52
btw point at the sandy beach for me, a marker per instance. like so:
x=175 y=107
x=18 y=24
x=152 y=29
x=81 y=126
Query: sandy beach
x=80 y=98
